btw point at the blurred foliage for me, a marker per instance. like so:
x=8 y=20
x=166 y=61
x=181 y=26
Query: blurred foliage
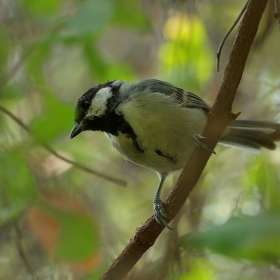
x=252 y=238
x=183 y=58
x=56 y=219
x=48 y=126
x=73 y=224
x=199 y=269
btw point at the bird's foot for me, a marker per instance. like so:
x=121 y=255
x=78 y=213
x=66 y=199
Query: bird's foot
x=160 y=214
x=197 y=141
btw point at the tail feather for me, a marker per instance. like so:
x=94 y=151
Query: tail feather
x=252 y=135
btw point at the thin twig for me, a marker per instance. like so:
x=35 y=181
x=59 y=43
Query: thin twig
x=84 y=168
x=56 y=154
x=227 y=34
x=277 y=11
x=24 y=256
x=18 y=237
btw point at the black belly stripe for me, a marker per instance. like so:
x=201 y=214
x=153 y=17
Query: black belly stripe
x=137 y=146
x=170 y=158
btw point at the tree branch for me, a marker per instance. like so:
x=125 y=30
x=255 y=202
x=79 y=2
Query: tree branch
x=56 y=154
x=218 y=118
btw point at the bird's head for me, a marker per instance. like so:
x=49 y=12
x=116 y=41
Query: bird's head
x=94 y=109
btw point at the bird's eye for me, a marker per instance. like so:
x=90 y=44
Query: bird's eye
x=86 y=104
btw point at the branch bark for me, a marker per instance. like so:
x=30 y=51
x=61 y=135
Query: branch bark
x=219 y=117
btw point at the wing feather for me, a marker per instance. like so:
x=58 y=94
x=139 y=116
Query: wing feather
x=179 y=95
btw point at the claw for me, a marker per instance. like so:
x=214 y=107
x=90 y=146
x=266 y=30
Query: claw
x=198 y=143
x=160 y=214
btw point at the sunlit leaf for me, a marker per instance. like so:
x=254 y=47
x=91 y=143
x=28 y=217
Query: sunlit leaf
x=186 y=57
x=122 y=71
x=41 y=7
x=263 y=176
x=199 y=270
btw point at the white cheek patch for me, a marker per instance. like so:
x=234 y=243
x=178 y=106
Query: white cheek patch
x=116 y=83
x=99 y=102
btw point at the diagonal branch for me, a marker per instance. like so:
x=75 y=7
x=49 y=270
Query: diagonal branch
x=219 y=117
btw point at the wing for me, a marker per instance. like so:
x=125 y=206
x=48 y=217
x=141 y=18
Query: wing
x=196 y=102
x=179 y=95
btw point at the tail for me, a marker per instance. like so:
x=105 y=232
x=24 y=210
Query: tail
x=251 y=135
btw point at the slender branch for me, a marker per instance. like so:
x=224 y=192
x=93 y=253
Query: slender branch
x=226 y=36
x=277 y=11
x=219 y=117
x=24 y=256
x=56 y=154
x=84 y=168
x=18 y=237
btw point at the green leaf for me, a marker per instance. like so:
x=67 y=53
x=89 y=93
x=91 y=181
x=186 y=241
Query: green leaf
x=5 y=48
x=37 y=58
x=41 y=7
x=265 y=177
x=90 y=17
x=186 y=57
x=254 y=238
x=96 y=64
x=198 y=269
x=16 y=180
x=12 y=91
x=122 y=71
x=78 y=237
x=129 y=14
x=58 y=118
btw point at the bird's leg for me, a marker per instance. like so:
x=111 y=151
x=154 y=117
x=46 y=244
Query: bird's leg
x=159 y=212
x=197 y=141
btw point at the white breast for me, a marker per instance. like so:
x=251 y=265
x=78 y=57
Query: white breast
x=162 y=125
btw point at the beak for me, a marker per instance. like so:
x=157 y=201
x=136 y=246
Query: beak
x=77 y=129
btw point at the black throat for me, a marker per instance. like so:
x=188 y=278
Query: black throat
x=114 y=124
x=111 y=122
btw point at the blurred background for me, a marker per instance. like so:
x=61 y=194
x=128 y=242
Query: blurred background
x=60 y=222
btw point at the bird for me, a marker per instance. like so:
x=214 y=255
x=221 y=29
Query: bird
x=157 y=125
